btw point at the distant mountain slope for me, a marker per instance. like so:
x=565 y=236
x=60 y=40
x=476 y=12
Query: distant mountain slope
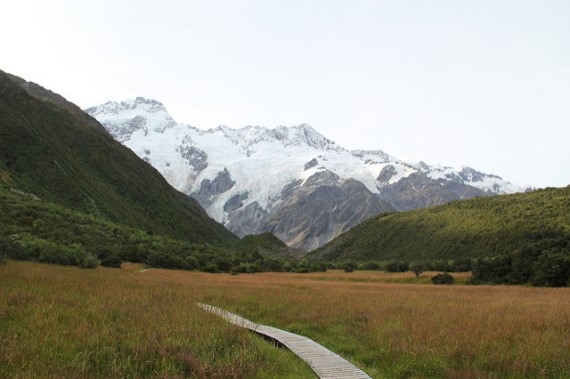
x=50 y=148
x=256 y=180
x=481 y=227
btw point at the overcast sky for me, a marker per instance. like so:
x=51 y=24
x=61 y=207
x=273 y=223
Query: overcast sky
x=484 y=84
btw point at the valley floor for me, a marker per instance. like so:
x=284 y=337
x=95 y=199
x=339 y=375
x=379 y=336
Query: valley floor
x=60 y=321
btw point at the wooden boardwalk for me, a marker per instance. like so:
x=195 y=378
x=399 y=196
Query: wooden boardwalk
x=322 y=361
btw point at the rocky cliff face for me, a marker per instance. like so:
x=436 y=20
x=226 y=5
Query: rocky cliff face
x=314 y=212
x=420 y=191
x=290 y=181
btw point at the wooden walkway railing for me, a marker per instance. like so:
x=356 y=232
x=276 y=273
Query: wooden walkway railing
x=322 y=361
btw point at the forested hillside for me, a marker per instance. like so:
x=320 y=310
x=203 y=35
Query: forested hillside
x=475 y=228
x=51 y=149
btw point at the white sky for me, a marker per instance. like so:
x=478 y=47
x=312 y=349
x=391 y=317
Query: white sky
x=482 y=83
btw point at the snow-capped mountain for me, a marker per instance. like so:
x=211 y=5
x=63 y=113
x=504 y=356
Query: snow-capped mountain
x=291 y=181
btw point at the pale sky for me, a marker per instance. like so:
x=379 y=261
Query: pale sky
x=483 y=83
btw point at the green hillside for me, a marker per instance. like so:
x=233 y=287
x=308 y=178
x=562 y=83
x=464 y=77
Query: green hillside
x=71 y=194
x=33 y=229
x=476 y=228
x=50 y=149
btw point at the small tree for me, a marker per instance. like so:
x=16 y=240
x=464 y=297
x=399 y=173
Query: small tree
x=417 y=269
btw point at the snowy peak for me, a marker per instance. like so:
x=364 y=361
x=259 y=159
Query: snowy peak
x=123 y=119
x=138 y=105
x=299 y=136
x=302 y=135
x=254 y=179
x=488 y=183
x=373 y=156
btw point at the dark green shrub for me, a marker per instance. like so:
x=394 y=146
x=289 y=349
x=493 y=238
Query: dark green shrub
x=551 y=270
x=444 y=278
x=112 y=261
x=318 y=267
x=349 y=266
x=89 y=261
x=397 y=266
x=211 y=267
x=223 y=264
x=370 y=266
x=8 y=250
x=270 y=264
x=287 y=267
x=13 y=250
x=462 y=265
x=249 y=268
x=439 y=265
x=191 y=262
x=493 y=270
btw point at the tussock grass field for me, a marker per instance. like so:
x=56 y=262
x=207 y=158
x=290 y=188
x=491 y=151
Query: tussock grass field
x=60 y=321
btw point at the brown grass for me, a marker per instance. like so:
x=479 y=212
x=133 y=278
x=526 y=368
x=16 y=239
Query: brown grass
x=391 y=330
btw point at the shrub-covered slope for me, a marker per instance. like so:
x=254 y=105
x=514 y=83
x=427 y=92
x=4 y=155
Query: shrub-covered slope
x=481 y=227
x=50 y=149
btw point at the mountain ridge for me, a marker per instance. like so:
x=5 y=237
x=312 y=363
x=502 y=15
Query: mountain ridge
x=237 y=174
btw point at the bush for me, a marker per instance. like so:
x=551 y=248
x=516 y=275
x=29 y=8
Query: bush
x=444 y=278
x=164 y=260
x=462 y=265
x=397 y=267
x=10 y=250
x=318 y=267
x=551 y=270
x=287 y=267
x=549 y=267
x=191 y=262
x=89 y=261
x=439 y=265
x=493 y=270
x=349 y=266
x=211 y=267
x=112 y=261
x=45 y=251
x=370 y=266
x=249 y=268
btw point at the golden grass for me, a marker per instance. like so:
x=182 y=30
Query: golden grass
x=391 y=330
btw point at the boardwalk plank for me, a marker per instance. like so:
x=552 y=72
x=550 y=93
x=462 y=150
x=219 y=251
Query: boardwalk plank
x=324 y=362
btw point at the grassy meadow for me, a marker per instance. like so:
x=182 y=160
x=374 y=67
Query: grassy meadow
x=58 y=321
